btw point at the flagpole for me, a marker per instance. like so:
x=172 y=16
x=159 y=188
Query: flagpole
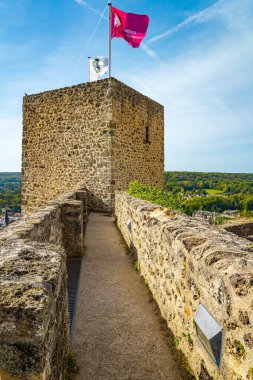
x=89 y=68
x=110 y=41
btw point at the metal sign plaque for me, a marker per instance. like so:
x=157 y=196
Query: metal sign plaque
x=210 y=334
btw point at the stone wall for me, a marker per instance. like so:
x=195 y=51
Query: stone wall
x=186 y=262
x=91 y=135
x=34 y=320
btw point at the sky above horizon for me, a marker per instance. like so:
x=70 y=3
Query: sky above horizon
x=196 y=60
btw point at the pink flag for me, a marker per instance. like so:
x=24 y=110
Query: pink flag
x=130 y=26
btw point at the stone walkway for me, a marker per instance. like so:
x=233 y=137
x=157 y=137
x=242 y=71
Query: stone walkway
x=117 y=333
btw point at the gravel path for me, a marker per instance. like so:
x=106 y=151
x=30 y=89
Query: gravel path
x=117 y=333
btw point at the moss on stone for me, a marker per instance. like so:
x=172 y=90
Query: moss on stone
x=72 y=367
x=240 y=350
x=137 y=266
x=176 y=341
x=250 y=373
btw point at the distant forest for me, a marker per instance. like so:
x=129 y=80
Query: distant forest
x=209 y=183
x=185 y=191
x=212 y=191
x=10 y=191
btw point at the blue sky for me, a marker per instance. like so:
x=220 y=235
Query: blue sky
x=197 y=60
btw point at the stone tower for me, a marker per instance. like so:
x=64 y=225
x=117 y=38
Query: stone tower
x=99 y=135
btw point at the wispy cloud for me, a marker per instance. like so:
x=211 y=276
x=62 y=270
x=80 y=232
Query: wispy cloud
x=91 y=8
x=207 y=93
x=199 y=17
x=148 y=51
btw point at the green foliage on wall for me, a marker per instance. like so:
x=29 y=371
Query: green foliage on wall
x=219 y=220
x=156 y=195
x=188 y=201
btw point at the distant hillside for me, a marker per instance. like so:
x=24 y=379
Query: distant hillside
x=10 y=191
x=190 y=190
x=8 y=178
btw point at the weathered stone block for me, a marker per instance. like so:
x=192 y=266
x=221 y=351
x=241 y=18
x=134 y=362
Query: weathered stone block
x=33 y=310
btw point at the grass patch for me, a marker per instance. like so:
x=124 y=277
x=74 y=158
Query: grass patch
x=175 y=341
x=240 y=350
x=214 y=191
x=219 y=220
x=72 y=367
x=189 y=339
x=250 y=373
x=137 y=265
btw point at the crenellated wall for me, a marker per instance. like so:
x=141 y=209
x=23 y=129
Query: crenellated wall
x=186 y=262
x=34 y=320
